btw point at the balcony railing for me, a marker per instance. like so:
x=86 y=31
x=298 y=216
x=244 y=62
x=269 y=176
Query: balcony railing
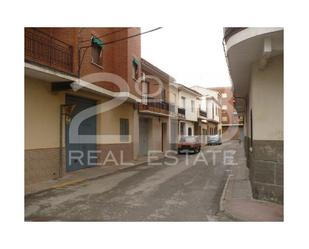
x=203 y=114
x=155 y=105
x=229 y=32
x=181 y=111
x=48 y=51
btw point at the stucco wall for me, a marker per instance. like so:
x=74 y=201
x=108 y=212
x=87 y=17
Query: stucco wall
x=267 y=100
x=42 y=129
x=188 y=124
x=41 y=115
x=109 y=123
x=189 y=114
x=42 y=108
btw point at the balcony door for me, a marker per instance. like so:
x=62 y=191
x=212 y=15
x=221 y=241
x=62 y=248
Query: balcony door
x=145 y=90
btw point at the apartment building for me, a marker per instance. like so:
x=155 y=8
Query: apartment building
x=154 y=122
x=232 y=121
x=255 y=61
x=188 y=110
x=211 y=104
x=175 y=115
x=60 y=65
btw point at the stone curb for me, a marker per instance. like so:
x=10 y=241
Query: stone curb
x=223 y=195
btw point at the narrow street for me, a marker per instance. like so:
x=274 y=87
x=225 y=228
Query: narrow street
x=145 y=193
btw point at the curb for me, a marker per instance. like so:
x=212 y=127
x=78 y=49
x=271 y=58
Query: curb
x=222 y=198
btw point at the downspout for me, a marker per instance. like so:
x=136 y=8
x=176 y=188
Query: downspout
x=60 y=142
x=65 y=110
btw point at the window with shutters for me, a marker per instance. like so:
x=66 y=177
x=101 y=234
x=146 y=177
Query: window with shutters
x=124 y=130
x=96 y=55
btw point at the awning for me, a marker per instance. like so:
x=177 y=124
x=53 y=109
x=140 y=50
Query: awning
x=97 y=42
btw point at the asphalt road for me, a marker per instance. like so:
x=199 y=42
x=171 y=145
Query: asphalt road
x=187 y=191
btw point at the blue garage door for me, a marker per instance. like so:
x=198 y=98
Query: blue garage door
x=77 y=155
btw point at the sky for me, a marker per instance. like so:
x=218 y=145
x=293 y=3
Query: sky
x=192 y=55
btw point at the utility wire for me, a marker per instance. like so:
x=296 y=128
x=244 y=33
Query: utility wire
x=107 y=34
x=128 y=37
x=125 y=38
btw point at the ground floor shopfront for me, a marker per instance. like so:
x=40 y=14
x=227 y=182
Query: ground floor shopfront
x=153 y=134
x=212 y=128
x=50 y=154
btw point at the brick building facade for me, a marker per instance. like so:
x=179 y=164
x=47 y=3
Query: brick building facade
x=54 y=59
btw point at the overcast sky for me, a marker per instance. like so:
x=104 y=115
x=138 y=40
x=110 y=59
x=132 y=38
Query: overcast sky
x=193 y=55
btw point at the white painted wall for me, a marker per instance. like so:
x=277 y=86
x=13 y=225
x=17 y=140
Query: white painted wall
x=190 y=115
x=266 y=100
x=212 y=114
x=188 y=125
x=207 y=102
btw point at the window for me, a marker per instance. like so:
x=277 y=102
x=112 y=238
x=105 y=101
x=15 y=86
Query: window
x=189 y=131
x=124 y=130
x=96 y=55
x=182 y=128
x=224 y=95
x=135 y=66
x=192 y=105
x=163 y=95
x=224 y=107
x=224 y=118
x=183 y=101
x=96 y=50
x=145 y=89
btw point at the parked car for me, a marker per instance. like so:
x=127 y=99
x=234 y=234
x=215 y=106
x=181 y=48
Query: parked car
x=214 y=139
x=189 y=143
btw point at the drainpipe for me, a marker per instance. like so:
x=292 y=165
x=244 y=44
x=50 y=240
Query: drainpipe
x=60 y=141
x=65 y=110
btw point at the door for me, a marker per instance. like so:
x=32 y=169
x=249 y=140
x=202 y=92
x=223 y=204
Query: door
x=189 y=131
x=143 y=136
x=145 y=89
x=174 y=132
x=81 y=155
x=182 y=128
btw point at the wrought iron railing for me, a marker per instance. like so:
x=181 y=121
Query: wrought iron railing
x=203 y=113
x=46 y=50
x=181 y=111
x=155 y=105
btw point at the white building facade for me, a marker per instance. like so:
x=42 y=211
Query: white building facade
x=211 y=104
x=255 y=61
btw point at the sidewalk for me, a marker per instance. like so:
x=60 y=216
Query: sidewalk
x=84 y=175
x=237 y=201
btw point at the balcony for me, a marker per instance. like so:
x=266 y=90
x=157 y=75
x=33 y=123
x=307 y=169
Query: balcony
x=46 y=50
x=181 y=112
x=155 y=106
x=247 y=46
x=203 y=114
x=229 y=32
